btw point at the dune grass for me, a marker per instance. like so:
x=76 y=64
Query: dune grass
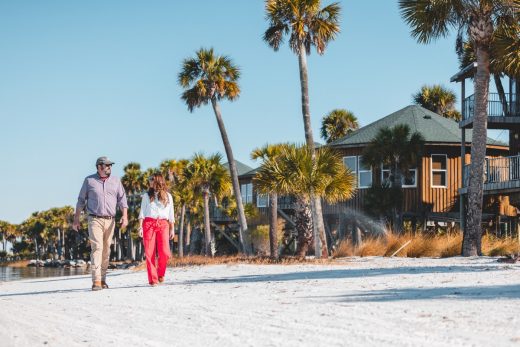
x=422 y=245
x=199 y=260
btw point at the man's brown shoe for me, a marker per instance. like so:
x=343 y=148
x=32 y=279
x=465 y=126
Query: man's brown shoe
x=161 y=279
x=97 y=286
x=104 y=285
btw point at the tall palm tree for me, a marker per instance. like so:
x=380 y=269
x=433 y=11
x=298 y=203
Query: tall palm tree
x=438 y=99
x=398 y=149
x=133 y=183
x=307 y=24
x=182 y=193
x=3 y=230
x=475 y=20
x=210 y=179
x=338 y=123
x=266 y=153
x=299 y=171
x=210 y=78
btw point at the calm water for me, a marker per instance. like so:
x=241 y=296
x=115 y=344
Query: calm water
x=8 y=273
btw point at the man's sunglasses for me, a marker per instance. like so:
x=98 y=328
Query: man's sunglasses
x=107 y=165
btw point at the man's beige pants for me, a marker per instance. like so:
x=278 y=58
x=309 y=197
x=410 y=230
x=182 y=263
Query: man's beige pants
x=100 y=232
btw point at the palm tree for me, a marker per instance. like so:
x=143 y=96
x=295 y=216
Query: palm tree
x=398 y=149
x=506 y=49
x=209 y=178
x=133 y=183
x=306 y=24
x=182 y=193
x=338 y=123
x=504 y=57
x=210 y=78
x=438 y=99
x=3 y=230
x=299 y=171
x=266 y=153
x=476 y=20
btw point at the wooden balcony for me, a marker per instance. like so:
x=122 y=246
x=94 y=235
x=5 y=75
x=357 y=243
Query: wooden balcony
x=501 y=175
x=502 y=114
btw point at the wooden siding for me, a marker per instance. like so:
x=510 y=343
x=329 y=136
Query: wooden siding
x=420 y=200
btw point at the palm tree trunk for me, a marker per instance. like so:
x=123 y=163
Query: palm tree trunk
x=320 y=247
x=304 y=226
x=181 y=231
x=242 y=233
x=36 y=249
x=473 y=232
x=188 y=233
x=207 y=230
x=273 y=225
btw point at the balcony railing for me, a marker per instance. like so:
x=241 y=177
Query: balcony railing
x=496 y=170
x=495 y=106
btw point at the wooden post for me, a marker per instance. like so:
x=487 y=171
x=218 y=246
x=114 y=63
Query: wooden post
x=462 y=159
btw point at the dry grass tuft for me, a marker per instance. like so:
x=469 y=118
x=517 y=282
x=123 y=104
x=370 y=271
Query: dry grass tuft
x=423 y=245
x=199 y=260
x=375 y=246
x=451 y=246
x=494 y=246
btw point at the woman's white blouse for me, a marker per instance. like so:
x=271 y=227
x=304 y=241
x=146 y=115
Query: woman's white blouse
x=156 y=209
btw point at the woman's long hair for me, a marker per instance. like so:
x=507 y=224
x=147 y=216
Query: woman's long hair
x=158 y=189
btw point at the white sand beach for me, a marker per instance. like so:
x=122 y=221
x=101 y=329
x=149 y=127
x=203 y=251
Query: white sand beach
x=360 y=301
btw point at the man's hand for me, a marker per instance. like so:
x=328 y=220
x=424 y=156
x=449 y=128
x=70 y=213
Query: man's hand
x=75 y=224
x=124 y=222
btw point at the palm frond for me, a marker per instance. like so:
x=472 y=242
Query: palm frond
x=430 y=19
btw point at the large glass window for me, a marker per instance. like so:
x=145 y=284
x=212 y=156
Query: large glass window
x=439 y=170
x=246 y=190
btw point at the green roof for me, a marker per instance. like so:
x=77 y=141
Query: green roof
x=241 y=167
x=433 y=127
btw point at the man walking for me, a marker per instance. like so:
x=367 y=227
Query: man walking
x=101 y=194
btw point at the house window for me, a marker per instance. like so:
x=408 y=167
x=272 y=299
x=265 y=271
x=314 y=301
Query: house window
x=364 y=174
x=407 y=181
x=246 y=190
x=351 y=163
x=262 y=200
x=439 y=170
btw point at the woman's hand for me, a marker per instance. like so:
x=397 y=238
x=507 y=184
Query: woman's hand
x=140 y=231
x=172 y=234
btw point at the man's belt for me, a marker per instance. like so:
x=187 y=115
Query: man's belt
x=104 y=217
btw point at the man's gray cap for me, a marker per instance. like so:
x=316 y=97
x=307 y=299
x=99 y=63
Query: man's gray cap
x=104 y=160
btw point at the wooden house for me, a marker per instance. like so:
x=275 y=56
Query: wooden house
x=431 y=192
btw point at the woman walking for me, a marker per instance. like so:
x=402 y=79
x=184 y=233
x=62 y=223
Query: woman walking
x=156 y=227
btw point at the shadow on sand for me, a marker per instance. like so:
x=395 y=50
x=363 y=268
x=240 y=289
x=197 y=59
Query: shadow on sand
x=345 y=273
x=509 y=291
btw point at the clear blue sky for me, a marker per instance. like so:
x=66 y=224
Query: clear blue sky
x=84 y=79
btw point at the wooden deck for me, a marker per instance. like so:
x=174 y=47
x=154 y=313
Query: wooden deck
x=501 y=176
